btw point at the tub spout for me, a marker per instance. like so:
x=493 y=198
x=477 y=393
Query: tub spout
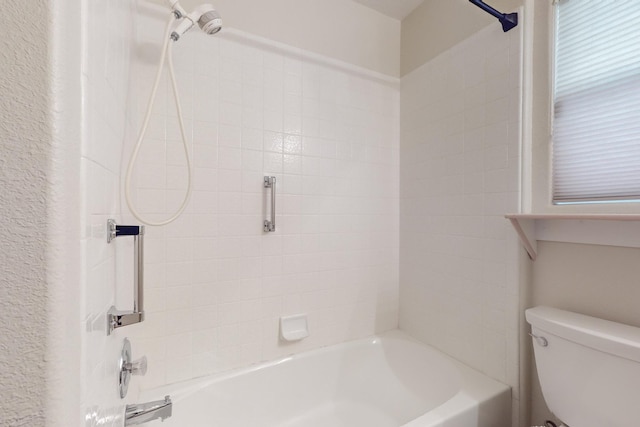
x=145 y=412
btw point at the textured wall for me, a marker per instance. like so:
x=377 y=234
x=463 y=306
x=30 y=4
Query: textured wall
x=460 y=156
x=25 y=136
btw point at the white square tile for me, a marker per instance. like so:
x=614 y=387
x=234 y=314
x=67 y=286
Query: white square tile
x=216 y=266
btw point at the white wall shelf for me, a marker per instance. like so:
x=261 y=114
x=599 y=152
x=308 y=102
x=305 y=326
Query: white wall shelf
x=597 y=229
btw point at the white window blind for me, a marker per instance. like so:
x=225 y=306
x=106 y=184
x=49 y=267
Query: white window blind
x=596 y=130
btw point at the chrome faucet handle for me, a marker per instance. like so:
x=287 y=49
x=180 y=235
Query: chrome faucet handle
x=129 y=367
x=137 y=367
x=542 y=341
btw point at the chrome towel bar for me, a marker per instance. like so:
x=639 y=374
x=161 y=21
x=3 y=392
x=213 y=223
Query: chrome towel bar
x=115 y=318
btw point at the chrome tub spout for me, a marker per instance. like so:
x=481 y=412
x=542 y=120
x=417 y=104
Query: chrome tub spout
x=145 y=412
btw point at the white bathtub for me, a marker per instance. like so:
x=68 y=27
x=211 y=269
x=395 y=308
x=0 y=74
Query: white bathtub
x=388 y=380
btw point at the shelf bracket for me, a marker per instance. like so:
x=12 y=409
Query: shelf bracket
x=526 y=229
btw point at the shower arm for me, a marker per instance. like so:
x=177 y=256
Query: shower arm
x=508 y=20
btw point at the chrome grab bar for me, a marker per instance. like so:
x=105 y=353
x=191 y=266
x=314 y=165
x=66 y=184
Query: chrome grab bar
x=270 y=182
x=115 y=318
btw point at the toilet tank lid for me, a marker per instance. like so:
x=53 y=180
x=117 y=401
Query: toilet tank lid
x=606 y=336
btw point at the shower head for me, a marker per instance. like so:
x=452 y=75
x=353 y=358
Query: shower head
x=210 y=22
x=205 y=15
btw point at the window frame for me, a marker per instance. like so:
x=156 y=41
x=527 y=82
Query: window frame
x=586 y=206
x=539 y=47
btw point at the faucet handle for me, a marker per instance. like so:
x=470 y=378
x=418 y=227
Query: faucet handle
x=137 y=367
x=128 y=367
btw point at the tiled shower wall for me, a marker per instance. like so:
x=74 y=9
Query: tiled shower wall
x=460 y=164
x=105 y=84
x=216 y=284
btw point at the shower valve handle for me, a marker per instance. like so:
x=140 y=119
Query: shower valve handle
x=137 y=367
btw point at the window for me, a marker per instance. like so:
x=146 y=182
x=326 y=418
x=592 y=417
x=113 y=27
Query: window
x=596 y=129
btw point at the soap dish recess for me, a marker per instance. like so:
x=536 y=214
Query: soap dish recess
x=294 y=328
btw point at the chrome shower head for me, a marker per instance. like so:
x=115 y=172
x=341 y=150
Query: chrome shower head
x=210 y=22
x=205 y=15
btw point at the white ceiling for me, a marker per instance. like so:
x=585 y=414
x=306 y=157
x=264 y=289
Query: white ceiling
x=397 y=9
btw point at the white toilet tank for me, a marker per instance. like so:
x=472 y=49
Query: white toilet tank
x=589 y=368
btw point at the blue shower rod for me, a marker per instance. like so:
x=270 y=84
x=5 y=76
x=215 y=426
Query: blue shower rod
x=508 y=20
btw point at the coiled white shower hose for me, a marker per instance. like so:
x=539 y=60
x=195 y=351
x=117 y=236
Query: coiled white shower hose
x=166 y=53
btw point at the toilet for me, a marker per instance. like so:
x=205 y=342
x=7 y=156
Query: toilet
x=589 y=368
